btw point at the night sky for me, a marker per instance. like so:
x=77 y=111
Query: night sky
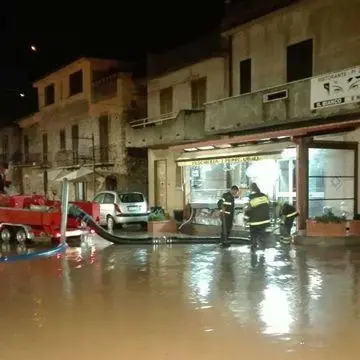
x=125 y=32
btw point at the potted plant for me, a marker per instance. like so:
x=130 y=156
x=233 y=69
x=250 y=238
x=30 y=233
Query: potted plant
x=327 y=225
x=160 y=222
x=354 y=226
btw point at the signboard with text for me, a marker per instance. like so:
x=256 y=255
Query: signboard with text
x=335 y=89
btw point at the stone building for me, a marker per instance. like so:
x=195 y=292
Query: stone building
x=277 y=102
x=79 y=132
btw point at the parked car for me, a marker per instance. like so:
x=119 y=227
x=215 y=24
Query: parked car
x=122 y=208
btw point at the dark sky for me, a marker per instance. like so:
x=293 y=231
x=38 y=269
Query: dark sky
x=125 y=31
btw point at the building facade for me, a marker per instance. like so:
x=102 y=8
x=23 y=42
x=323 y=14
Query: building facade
x=283 y=111
x=79 y=133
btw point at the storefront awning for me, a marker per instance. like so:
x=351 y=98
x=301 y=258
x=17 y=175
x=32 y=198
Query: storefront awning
x=277 y=135
x=76 y=175
x=233 y=154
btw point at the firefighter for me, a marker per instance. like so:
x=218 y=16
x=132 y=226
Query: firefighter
x=226 y=206
x=288 y=214
x=257 y=213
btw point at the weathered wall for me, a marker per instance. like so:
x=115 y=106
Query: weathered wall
x=332 y=24
x=212 y=69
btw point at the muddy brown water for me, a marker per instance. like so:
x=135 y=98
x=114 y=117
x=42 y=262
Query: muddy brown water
x=182 y=302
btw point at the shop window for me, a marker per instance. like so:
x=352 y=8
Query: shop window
x=331 y=182
x=198 y=93
x=49 y=94
x=80 y=191
x=166 y=101
x=300 y=60
x=62 y=139
x=178 y=182
x=245 y=76
x=76 y=83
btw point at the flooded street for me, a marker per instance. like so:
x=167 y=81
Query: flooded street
x=182 y=302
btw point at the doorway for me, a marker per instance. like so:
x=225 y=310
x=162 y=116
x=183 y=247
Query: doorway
x=160 y=183
x=111 y=183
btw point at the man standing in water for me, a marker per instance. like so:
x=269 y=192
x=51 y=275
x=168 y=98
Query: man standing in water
x=258 y=214
x=226 y=206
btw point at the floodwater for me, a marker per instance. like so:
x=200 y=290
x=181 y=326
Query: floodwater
x=182 y=302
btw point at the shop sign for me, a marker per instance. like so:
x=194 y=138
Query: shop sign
x=335 y=89
x=229 y=160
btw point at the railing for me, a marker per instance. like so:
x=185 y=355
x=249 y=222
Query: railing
x=153 y=120
x=100 y=155
x=31 y=159
x=105 y=88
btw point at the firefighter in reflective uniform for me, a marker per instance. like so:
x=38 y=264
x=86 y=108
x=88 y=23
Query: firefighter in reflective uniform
x=226 y=206
x=288 y=214
x=257 y=214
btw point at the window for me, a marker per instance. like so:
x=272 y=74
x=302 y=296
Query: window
x=166 y=101
x=198 y=93
x=50 y=94
x=75 y=142
x=99 y=198
x=109 y=198
x=300 y=60
x=245 y=76
x=131 y=198
x=104 y=138
x=332 y=180
x=62 y=140
x=80 y=191
x=26 y=148
x=45 y=147
x=76 y=83
x=5 y=147
x=178 y=182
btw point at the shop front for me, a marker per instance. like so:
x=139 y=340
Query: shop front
x=300 y=166
x=209 y=174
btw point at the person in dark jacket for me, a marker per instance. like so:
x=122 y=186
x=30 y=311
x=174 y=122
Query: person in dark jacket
x=226 y=206
x=257 y=214
x=288 y=213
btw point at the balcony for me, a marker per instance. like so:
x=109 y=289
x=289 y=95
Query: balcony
x=285 y=104
x=186 y=125
x=105 y=155
x=104 y=89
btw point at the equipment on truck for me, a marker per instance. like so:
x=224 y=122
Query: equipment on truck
x=24 y=217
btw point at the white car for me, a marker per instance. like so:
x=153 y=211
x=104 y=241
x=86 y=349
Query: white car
x=122 y=208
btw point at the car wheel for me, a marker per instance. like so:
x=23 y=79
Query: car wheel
x=20 y=236
x=5 y=235
x=110 y=223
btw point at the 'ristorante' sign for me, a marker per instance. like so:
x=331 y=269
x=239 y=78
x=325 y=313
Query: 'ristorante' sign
x=229 y=160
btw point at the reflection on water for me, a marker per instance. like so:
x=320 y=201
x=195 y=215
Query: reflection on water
x=177 y=302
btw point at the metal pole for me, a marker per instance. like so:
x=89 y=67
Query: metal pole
x=94 y=161
x=64 y=209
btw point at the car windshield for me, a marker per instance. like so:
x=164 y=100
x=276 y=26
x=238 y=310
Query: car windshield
x=131 y=198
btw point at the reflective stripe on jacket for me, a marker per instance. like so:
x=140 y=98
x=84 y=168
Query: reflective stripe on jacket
x=226 y=204
x=288 y=211
x=258 y=211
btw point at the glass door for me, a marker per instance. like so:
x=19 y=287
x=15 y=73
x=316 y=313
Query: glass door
x=286 y=186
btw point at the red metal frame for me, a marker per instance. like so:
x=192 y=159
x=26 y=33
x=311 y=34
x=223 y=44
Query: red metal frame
x=45 y=223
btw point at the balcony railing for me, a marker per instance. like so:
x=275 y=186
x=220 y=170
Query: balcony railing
x=100 y=155
x=186 y=125
x=151 y=121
